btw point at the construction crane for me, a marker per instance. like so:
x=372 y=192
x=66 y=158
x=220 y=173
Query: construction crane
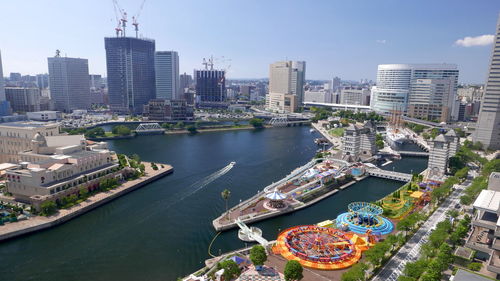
x=135 y=23
x=120 y=14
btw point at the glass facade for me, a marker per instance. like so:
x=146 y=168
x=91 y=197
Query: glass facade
x=131 y=73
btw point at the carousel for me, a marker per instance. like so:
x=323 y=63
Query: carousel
x=276 y=200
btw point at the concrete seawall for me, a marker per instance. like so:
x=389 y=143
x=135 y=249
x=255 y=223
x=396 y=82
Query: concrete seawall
x=38 y=223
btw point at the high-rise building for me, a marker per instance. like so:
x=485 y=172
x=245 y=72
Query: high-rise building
x=130 y=73
x=210 y=86
x=185 y=82
x=167 y=75
x=432 y=99
x=95 y=81
x=42 y=81
x=488 y=125
x=395 y=83
x=69 y=83
x=23 y=99
x=15 y=76
x=4 y=104
x=2 y=82
x=286 y=85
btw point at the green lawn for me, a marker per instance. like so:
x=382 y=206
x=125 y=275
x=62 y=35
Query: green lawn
x=109 y=134
x=338 y=132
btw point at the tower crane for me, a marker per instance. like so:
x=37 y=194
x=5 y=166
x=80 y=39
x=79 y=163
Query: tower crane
x=135 y=23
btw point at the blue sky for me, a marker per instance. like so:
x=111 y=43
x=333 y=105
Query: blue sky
x=336 y=38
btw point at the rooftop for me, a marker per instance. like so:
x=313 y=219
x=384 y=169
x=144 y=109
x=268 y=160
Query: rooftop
x=27 y=124
x=488 y=200
x=463 y=275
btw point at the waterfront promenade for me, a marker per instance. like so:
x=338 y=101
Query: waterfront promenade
x=38 y=223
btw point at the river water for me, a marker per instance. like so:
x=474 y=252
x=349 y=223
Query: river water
x=162 y=231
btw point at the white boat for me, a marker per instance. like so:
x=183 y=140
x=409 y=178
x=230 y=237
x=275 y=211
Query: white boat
x=394 y=136
x=232 y=163
x=311 y=130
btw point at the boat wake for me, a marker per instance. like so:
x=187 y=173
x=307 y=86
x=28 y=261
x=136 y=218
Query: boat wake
x=208 y=179
x=197 y=185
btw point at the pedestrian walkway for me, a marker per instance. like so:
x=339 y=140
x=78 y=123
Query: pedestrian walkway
x=410 y=252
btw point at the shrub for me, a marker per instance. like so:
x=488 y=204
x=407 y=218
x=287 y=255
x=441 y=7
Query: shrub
x=475 y=266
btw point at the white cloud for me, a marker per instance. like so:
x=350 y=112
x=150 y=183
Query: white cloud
x=381 y=41
x=481 y=40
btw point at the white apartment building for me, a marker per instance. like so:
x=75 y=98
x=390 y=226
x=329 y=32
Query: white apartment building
x=442 y=148
x=167 y=75
x=323 y=96
x=16 y=137
x=58 y=166
x=488 y=124
x=355 y=96
x=395 y=83
x=286 y=78
x=432 y=99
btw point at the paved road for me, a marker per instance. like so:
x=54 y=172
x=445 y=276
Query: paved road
x=410 y=252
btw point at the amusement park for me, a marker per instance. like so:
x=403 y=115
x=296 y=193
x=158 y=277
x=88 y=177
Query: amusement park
x=330 y=247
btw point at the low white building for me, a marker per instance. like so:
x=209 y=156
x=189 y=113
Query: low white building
x=355 y=96
x=57 y=167
x=16 y=137
x=44 y=115
x=318 y=96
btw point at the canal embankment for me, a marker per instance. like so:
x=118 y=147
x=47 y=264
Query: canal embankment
x=38 y=223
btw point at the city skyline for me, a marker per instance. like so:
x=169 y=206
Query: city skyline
x=354 y=40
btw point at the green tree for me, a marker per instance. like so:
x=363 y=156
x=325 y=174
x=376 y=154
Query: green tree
x=225 y=194
x=475 y=266
x=258 y=255
x=415 y=269
x=453 y=213
x=83 y=192
x=48 y=208
x=192 y=129
x=355 y=273
x=231 y=269
x=293 y=271
x=380 y=144
x=180 y=125
x=95 y=132
x=257 y=122
x=121 y=130
x=154 y=166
